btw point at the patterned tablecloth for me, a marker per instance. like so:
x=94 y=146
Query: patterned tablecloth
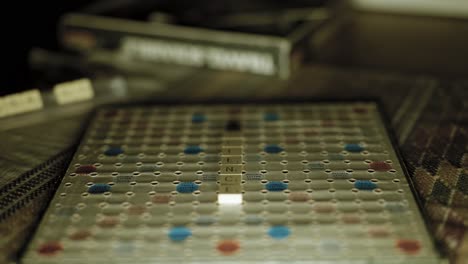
x=428 y=115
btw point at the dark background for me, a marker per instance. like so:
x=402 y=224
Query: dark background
x=28 y=24
x=436 y=46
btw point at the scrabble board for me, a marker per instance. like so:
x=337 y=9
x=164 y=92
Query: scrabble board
x=310 y=182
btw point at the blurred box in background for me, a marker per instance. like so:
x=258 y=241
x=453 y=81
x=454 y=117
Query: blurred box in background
x=271 y=43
